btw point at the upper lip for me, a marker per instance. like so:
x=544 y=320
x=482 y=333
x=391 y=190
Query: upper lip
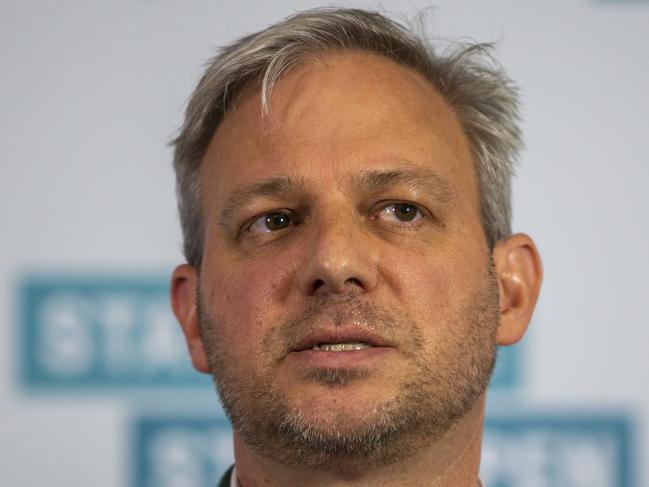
x=346 y=335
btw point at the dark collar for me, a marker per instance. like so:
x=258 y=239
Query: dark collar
x=225 y=480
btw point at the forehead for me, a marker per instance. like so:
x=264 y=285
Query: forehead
x=337 y=115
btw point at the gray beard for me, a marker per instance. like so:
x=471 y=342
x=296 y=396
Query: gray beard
x=442 y=389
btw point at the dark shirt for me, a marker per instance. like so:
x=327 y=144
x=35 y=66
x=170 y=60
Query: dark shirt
x=225 y=480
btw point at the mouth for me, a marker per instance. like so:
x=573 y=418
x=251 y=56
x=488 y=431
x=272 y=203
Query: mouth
x=349 y=340
x=341 y=347
x=352 y=349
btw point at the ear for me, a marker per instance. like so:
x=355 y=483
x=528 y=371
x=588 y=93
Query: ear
x=520 y=272
x=184 y=283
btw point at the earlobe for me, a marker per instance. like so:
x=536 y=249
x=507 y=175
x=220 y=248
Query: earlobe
x=520 y=272
x=184 y=304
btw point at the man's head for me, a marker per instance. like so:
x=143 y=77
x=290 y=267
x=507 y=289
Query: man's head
x=483 y=99
x=345 y=204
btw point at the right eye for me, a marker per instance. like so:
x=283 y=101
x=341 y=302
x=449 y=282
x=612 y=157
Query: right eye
x=272 y=222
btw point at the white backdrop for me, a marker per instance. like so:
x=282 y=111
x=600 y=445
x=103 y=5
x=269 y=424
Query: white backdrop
x=90 y=93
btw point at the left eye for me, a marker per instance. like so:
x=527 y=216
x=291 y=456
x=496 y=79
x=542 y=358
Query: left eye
x=272 y=222
x=401 y=213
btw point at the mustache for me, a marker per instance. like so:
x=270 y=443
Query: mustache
x=338 y=311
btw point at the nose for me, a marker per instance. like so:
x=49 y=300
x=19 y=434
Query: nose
x=339 y=258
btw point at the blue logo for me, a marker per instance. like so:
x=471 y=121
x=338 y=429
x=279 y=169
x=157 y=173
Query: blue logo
x=98 y=332
x=566 y=451
x=181 y=452
x=101 y=332
x=89 y=333
x=530 y=451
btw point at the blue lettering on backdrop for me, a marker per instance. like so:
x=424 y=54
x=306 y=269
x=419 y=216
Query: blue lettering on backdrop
x=181 y=452
x=94 y=331
x=102 y=332
x=531 y=451
x=557 y=450
x=89 y=332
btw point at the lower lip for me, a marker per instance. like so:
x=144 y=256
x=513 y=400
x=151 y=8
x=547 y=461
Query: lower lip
x=350 y=358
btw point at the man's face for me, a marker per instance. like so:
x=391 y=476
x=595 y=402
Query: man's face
x=347 y=297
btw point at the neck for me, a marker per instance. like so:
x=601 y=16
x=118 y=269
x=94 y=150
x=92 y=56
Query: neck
x=454 y=459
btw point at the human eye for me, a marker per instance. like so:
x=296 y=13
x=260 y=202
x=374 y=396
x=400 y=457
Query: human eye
x=273 y=221
x=401 y=213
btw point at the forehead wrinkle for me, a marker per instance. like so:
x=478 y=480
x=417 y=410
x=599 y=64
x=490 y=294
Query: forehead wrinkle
x=421 y=179
x=267 y=188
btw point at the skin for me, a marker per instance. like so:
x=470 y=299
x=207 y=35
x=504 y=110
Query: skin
x=345 y=251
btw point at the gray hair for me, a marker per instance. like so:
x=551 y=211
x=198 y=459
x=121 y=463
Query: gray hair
x=472 y=83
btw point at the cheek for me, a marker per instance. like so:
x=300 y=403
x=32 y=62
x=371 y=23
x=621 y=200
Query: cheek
x=428 y=288
x=247 y=298
x=439 y=283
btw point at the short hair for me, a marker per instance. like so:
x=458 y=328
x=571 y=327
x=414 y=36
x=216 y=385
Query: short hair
x=468 y=78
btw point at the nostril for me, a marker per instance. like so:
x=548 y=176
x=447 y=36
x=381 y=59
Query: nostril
x=335 y=287
x=318 y=284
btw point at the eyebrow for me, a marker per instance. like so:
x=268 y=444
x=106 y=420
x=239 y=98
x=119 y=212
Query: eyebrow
x=425 y=180
x=421 y=179
x=272 y=187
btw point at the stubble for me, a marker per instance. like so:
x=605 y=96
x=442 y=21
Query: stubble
x=439 y=390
